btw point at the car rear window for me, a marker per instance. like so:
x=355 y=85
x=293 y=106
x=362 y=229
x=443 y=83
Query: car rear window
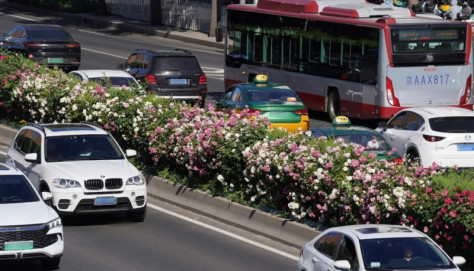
x=114 y=81
x=280 y=95
x=453 y=124
x=176 y=63
x=50 y=35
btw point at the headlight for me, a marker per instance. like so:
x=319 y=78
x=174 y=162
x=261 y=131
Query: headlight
x=65 y=183
x=137 y=180
x=55 y=224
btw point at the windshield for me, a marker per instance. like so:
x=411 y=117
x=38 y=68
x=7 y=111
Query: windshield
x=403 y=253
x=16 y=189
x=81 y=147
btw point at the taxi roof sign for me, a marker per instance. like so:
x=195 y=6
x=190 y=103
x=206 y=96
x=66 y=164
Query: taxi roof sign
x=260 y=78
x=341 y=121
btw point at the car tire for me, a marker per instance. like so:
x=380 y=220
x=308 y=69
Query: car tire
x=334 y=105
x=413 y=157
x=51 y=263
x=137 y=215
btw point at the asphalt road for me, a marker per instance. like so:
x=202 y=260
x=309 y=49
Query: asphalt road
x=105 y=48
x=170 y=238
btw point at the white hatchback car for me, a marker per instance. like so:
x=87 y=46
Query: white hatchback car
x=29 y=229
x=116 y=78
x=82 y=166
x=441 y=135
x=375 y=247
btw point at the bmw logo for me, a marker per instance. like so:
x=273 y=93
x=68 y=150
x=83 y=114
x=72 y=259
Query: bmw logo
x=102 y=176
x=468 y=138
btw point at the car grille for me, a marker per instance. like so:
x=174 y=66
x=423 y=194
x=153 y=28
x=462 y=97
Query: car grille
x=30 y=233
x=98 y=184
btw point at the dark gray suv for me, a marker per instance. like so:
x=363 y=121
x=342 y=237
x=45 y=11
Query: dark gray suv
x=169 y=73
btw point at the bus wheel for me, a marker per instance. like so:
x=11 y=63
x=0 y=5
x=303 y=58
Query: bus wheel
x=334 y=105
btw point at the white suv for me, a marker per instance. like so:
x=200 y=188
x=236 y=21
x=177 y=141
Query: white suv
x=29 y=229
x=82 y=166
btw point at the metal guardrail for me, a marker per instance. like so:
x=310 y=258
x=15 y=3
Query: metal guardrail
x=186 y=14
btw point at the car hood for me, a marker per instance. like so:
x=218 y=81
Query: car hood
x=92 y=169
x=18 y=214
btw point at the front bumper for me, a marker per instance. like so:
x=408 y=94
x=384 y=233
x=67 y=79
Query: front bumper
x=75 y=201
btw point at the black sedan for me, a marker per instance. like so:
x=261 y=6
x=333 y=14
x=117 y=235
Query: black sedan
x=47 y=44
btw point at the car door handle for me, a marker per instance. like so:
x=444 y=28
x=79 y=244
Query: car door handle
x=314 y=260
x=409 y=138
x=392 y=137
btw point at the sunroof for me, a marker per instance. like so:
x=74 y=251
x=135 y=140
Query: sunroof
x=382 y=229
x=2 y=167
x=69 y=127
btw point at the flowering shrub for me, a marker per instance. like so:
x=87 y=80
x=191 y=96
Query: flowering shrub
x=319 y=179
x=194 y=139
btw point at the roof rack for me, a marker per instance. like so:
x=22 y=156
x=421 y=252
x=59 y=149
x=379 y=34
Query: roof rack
x=36 y=125
x=182 y=50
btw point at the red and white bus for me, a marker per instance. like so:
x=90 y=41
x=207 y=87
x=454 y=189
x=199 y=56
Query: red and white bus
x=351 y=57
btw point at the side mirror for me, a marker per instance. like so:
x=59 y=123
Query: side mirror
x=31 y=157
x=120 y=66
x=458 y=260
x=342 y=265
x=382 y=124
x=130 y=153
x=46 y=196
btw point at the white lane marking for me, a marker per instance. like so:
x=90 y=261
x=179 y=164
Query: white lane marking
x=104 y=53
x=21 y=17
x=235 y=236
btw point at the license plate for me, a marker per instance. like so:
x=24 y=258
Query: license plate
x=465 y=147
x=20 y=245
x=105 y=201
x=55 y=60
x=178 y=81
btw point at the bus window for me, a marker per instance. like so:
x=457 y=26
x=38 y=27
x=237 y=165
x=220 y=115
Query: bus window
x=275 y=48
x=290 y=54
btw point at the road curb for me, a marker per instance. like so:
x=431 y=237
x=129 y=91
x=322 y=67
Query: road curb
x=265 y=224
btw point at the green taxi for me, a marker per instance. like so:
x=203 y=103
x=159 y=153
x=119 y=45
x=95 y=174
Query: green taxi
x=368 y=138
x=274 y=101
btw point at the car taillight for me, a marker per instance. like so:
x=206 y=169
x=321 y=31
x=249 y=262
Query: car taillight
x=467 y=92
x=433 y=138
x=32 y=44
x=254 y=111
x=391 y=93
x=202 y=79
x=74 y=45
x=301 y=111
x=150 y=79
x=398 y=160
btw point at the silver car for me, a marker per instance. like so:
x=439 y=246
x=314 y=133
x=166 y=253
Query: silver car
x=375 y=247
